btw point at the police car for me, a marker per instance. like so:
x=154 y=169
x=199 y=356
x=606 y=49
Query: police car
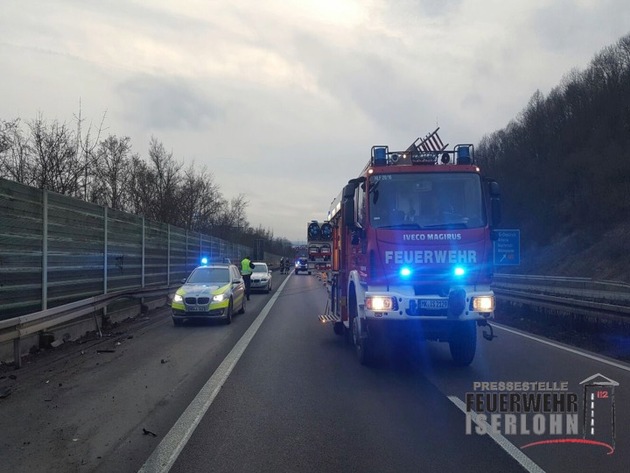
x=212 y=291
x=301 y=264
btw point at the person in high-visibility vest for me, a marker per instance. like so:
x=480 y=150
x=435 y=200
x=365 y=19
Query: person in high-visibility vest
x=246 y=272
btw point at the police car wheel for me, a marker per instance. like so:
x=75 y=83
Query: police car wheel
x=228 y=314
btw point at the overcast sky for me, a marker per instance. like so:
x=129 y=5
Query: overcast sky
x=282 y=100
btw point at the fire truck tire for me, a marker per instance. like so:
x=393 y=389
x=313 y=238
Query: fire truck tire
x=347 y=335
x=463 y=343
x=362 y=345
x=338 y=328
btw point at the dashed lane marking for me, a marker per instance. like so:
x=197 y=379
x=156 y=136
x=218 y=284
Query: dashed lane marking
x=499 y=439
x=165 y=454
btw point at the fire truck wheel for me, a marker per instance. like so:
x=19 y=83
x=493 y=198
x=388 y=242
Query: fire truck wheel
x=463 y=343
x=347 y=334
x=362 y=345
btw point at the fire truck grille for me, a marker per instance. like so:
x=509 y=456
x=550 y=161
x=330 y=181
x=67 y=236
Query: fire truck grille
x=431 y=289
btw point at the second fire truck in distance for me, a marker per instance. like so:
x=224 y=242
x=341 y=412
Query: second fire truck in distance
x=412 y=250
x=319 y=236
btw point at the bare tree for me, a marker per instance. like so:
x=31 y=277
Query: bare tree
x=199 y=200
x=141 y=187
x=167 y=179
x=112 y=172
x=15 y=153
x=237 y=208
x=86 y=151
x=56 y=166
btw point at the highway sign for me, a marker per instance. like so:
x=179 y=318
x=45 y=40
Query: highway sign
x=507 y=248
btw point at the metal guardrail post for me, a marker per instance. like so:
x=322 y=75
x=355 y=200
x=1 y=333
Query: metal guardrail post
x=168 y=254
x=105 y=267
x=105 y=249
x=17 y=354
x=144 y=244
x=44 y=304
x=17 y=328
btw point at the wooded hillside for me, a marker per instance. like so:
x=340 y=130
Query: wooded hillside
x=564 y=169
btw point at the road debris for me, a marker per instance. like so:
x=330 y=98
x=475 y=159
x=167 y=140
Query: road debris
x=148 y=432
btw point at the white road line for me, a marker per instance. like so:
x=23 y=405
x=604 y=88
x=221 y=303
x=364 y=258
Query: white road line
x=575 y=351
x=165 y=454
x=499 y=439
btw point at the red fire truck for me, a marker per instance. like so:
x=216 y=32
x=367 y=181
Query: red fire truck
x=319 y=236
x=412 y=250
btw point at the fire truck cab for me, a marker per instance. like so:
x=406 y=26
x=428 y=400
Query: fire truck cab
x=412 y=250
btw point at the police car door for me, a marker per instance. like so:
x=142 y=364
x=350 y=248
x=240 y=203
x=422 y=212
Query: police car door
x=238 y=286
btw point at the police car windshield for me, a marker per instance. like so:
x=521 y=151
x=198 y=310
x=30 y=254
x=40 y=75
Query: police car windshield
x=209 y=276
x=426 y=200
x=260 y=268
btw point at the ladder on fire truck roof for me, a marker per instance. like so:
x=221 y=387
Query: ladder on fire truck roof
x=432 y=143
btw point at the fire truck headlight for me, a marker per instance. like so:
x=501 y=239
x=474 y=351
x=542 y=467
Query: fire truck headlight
x=459 y=271
x=405 y=272
x=381 y=303
x=483 y=303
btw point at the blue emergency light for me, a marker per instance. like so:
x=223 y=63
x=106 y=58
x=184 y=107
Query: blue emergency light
x=379 y=155
x=459 y=271
x=405 y=272
x=463 y=155
x=204 y=261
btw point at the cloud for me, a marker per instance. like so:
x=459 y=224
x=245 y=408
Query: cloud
x=567 y=27
x=168 y=104
x=281 y=100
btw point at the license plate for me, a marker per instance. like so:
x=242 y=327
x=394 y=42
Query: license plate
x=434 y=304
x=196 y=308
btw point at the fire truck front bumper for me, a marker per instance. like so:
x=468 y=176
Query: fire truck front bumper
x=460 y=304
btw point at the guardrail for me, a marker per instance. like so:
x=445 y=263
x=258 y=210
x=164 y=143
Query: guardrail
x=17 y=328
x=584 y=296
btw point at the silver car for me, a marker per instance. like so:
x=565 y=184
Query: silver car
x=261 y=277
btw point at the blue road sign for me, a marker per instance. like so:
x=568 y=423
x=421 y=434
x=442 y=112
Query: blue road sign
x=507 y=248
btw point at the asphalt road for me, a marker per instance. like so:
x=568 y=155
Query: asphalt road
x=278 y=391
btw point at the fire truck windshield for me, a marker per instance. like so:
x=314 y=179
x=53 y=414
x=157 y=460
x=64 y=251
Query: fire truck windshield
x=426 y=200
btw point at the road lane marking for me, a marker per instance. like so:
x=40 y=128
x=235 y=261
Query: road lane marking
x=575 y=351
x=166 y=453
x=499 y=439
